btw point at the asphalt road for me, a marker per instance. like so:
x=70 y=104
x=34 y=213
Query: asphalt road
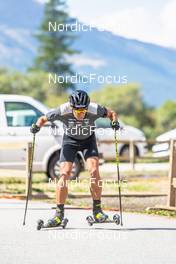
x=142 y=239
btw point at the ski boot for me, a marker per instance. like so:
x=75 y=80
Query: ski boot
x=99 y=215
x=56 y=220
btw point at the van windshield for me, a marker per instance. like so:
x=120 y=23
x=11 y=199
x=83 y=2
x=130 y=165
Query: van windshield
x=19 y=114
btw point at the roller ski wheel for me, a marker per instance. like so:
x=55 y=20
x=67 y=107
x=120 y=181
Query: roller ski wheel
x=90 y=220
x=116 y=219
x=51 y=224
x=40 y=224
x=64 y=222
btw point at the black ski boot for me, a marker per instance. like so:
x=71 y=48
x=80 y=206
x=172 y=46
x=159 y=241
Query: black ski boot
x=57 y=219
x=98 y=214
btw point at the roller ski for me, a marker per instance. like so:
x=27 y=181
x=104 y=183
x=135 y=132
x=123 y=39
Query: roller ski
x=100 y=217
x=57 y=221
x=103 y=219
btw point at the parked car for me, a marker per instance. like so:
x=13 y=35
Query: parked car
x=17 y=115
x=162 y=149
x=19 y=112
x=105 y=132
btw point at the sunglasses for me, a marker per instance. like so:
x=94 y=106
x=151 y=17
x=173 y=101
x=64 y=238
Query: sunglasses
x=80 y=110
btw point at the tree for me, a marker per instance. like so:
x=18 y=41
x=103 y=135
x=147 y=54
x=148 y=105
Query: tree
x=54 y=44
x=32 y=84
x=12 y=82
x=166 y=116
x=125 y=100
x=128 y=102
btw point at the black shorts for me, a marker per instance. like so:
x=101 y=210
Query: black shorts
x=71 y=146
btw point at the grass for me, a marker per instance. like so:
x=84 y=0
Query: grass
x=136 y=182
x=162 y=213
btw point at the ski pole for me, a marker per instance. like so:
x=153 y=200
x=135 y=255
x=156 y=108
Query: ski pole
x=29 y=177
x=118 y=176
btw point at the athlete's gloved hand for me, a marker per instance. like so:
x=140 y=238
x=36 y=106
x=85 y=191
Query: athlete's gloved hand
x=34 y=129
x=115 y=125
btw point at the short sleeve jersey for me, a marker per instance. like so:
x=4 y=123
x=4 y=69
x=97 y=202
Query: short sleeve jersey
x=75 y=128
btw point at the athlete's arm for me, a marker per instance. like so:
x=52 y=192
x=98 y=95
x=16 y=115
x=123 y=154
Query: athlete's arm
x=112 y=115
x=114 y=119
x=41 y=121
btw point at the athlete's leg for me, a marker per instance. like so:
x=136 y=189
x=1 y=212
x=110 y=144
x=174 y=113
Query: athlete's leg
x=95 y=180
x=67 y=157
x=62 y=189
x=96 y=189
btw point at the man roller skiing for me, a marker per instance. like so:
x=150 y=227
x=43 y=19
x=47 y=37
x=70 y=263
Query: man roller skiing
x=78 y=116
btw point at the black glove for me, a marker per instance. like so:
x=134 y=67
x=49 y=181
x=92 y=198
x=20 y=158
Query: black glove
x=34 y=129
x=115 y=125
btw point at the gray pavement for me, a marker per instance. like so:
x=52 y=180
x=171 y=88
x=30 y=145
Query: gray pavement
x=142 y=239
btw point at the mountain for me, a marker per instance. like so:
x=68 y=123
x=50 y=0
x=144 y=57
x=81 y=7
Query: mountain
x=102 y=53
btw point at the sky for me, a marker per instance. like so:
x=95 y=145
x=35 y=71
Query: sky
x=152 y=21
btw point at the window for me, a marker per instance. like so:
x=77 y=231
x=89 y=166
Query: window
x=21 y=114
x=106 y=123
x=102 y=123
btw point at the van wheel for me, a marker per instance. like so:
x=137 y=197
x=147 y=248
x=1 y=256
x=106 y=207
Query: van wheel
x=125 y=153
x=54 y=168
